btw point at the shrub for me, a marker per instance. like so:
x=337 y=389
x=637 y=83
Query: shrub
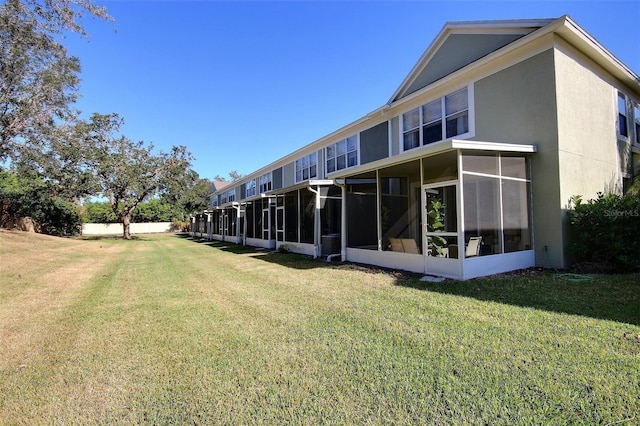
x=52 y=215
x=605 y=232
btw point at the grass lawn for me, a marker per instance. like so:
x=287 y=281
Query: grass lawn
x=168 y=330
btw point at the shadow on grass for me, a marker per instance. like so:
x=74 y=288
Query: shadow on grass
x=608 y=297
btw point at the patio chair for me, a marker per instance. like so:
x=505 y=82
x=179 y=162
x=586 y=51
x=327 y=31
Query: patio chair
x=473 y=247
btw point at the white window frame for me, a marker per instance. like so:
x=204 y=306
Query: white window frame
x=308 y=164
x=331 y=160
x=265 y=183
x=636 y=123
x=444 y=117
x=250 y=189
x=621 y=97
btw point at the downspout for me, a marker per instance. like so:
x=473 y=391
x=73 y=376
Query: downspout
x=316 y=224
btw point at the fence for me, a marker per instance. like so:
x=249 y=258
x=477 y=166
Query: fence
x=135 y=228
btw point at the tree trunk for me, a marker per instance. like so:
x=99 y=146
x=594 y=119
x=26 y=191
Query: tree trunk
x=126 y=234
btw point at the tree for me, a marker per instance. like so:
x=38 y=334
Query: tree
x=234 y=176
x=21 y=197
x=38 y=80
x=195 y=197
x=98 y=212
x=60 y=162
x=129 y=172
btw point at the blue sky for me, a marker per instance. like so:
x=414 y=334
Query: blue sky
x=242 y=84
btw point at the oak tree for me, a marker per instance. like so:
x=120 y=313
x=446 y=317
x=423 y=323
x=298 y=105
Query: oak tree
x=130 y=172
x=38 y=78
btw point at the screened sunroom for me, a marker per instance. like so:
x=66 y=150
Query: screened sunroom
x=462 y=212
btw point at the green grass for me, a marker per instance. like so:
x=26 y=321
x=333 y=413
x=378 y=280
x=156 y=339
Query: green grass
x=168 y=330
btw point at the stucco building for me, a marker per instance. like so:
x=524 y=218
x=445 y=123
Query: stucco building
x=467 y=170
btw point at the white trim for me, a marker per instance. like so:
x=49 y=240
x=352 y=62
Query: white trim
x=346 y=154
x=524 y=27
x=446 y=267
x=386 y=259
x=480 y=266
x=443 y=118
x=320 y=182
x=488 y=175
x=295 y=167
x=390 y=136
x=258 y=242
x=533 y=43
x=434 y=149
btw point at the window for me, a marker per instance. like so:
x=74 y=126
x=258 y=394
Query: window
x=228 y=196
x=265 y=183
x=636 y=117
x=427 y=124
x=251 y=188
x=457 y=111
x=307 y=167
x=623 y=128
x=342 y=154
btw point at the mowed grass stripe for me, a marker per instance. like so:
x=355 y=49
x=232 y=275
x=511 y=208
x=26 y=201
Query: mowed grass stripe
x=176 y=331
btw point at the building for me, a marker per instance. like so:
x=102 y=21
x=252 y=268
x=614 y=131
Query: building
x=467 y=170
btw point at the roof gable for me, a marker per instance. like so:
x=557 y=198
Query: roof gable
x=459 y=44
x=217 y=185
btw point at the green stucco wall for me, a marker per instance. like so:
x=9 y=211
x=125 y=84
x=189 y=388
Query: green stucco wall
x=518 y=105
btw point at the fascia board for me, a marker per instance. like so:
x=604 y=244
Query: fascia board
x=429 y=52
x=490 y=58
x=341 y=133
x=434 y=149
x=493 y=146
x=588 y=45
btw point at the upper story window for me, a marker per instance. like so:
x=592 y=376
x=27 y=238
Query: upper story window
x=231 y=195
x=636 y=118
x=251 y=188
x=264 y=182
x=441 y=119
x=623 y=116
x=342 y=154
x=224 y=197
x=307 y=167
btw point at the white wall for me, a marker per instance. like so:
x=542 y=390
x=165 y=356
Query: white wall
x=116 y=228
